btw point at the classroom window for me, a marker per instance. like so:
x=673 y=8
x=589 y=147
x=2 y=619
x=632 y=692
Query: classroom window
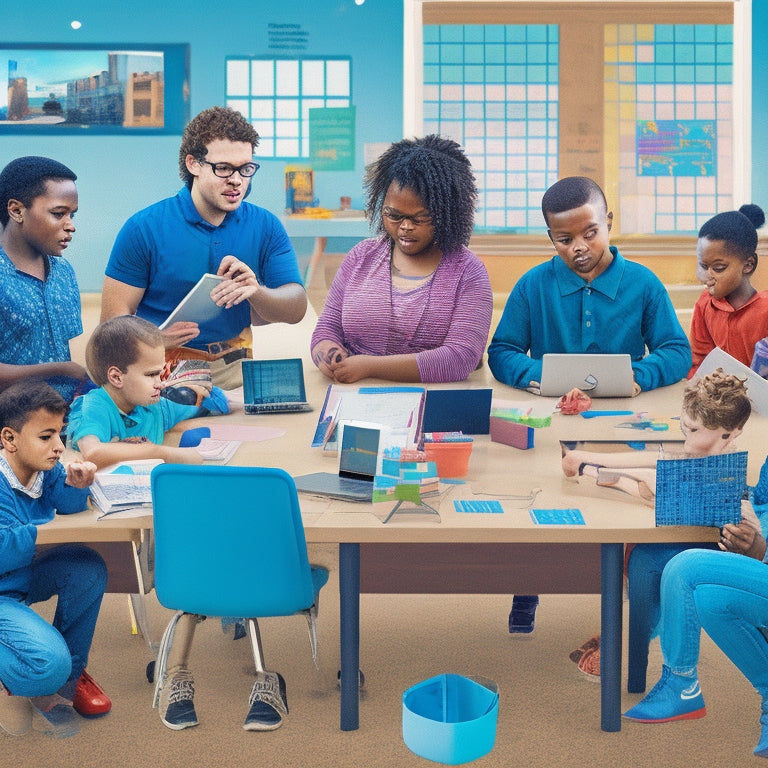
x=276 y=94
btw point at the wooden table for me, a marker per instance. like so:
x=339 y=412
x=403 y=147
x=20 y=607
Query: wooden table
x=502 y=553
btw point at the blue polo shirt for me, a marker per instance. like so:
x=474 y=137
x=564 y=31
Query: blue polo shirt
x=39 y=317
x=166 y=248
x=626 y=309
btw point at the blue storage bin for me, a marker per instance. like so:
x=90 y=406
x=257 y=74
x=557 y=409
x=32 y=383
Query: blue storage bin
x=451 y=719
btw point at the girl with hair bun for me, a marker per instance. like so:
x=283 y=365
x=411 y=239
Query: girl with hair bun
x=730 y=313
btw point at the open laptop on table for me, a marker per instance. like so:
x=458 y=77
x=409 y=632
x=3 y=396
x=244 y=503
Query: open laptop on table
x=358 y=454
x=596 y=374
x=274 y=386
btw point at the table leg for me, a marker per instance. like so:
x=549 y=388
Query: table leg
x=612 y=575
x=349 y=615
x=314 y=259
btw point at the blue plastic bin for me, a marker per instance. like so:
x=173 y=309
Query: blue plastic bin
x=451 y=719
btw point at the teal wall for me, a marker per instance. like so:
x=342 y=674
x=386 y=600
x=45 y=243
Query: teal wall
x=118 y=175
x=759 y=103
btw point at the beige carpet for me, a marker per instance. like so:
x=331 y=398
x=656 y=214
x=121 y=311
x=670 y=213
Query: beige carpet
x=548 y=713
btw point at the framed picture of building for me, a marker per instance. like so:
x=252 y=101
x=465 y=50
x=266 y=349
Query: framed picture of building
x=95 y=88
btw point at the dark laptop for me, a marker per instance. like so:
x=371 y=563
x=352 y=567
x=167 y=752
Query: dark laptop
x=358 y=453
x=274 y=386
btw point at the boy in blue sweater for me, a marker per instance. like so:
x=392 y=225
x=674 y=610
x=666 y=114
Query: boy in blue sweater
x=41 y=665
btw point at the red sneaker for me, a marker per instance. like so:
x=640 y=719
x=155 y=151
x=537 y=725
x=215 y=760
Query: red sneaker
x=89 y=699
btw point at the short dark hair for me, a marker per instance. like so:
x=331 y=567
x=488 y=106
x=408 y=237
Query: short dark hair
x=439 y=172
x=737 y=228
x=116 y=342
x=24 y=179
x=210 y=125
x=718 y=400
x=20 y=400
x=569 y=193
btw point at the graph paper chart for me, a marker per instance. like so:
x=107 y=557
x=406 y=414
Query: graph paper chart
x=701 y=491
x=494 y=88
x=671 y=82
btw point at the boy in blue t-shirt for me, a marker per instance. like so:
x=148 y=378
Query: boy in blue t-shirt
x=39 y=296
x=43 y=681
x=126 y=417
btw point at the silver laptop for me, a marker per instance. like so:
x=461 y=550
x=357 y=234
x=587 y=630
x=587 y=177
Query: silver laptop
x=358 y=454
x=597 y=375
x=274 y=386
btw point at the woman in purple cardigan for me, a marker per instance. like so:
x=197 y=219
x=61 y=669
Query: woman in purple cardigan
x=413 y=304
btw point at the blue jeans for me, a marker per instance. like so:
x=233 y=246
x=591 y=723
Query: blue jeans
x=646 y=564
x=37 y=658
x=725 y=594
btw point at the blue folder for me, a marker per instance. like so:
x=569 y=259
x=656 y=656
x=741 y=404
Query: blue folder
x=458 y=410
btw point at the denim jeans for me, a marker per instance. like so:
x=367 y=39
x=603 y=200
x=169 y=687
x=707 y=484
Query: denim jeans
x=37 y=658
x=725 y=594
x=646 y=564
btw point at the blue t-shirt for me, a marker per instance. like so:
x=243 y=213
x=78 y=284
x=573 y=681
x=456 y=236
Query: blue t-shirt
x=626 y=309
x=38 y=318
x=166 y=248
x=95 y=413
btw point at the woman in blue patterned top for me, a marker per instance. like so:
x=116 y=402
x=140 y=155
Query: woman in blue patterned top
x=39 y=296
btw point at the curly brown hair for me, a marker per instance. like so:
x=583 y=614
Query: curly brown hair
x=718 y=400
x=210 y=125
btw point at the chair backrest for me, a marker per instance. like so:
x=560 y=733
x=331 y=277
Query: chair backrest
x=229 y=541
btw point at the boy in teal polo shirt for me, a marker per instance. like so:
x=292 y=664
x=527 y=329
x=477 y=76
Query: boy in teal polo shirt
x=587 y=298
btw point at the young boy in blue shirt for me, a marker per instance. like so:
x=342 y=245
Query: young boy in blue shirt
x=42 y=665
x=587 y=298
x=126 y=417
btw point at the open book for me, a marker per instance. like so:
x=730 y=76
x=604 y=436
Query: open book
x=124 y=488
x=390 y=406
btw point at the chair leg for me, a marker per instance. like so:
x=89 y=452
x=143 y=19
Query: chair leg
x=311 y=615
x=255 y=637
x=162 y=655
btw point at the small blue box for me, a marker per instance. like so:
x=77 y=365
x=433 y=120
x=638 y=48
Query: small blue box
x=450 y=719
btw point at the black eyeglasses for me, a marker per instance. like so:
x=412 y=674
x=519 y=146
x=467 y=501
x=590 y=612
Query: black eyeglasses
x=396 y=218
x=225 y=170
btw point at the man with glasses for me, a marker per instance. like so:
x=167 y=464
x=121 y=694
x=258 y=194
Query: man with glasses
x=162 y=251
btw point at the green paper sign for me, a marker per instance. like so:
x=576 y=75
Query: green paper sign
x=332 y=138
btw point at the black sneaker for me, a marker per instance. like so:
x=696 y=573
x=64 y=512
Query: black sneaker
x=523 y=614
x=268 y=703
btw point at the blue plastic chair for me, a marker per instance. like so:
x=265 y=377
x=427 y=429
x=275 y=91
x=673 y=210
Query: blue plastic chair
x=229 y=541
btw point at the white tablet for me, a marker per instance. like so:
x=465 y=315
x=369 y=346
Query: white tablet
x=197 y=306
